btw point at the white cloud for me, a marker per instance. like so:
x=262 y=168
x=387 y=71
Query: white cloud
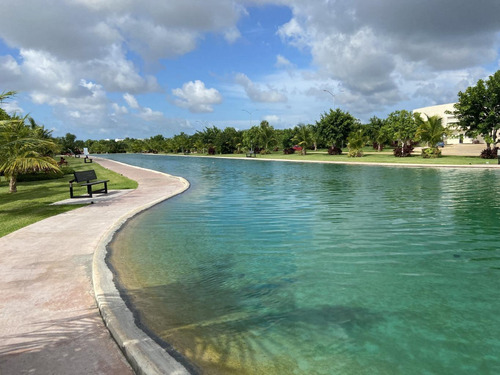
x=363 y=42
x=118 y=110
x=11 y=107
x=131 y=101
x=85 y=55
x=111 y=44
x=195 y=97
x=232 y=35
x=272 y=119
x=283 y=62
x=256 y=93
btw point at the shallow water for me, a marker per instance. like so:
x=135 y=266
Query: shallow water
x=285 y=268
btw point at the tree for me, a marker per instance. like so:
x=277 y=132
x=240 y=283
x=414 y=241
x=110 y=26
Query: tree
x=155 y=144
x=356 y=141
x=402 y=127
x=251 y=138
x=377 y=132
x=266 y=135
x=430 y=131
x=67 y=143
x=478 y=110
x=208 y=136
x=303 y=137
x=334 y=127
x=228 y=140
x=181 y=142
x=22 y=151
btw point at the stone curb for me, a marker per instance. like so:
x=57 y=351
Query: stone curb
x=143 y=353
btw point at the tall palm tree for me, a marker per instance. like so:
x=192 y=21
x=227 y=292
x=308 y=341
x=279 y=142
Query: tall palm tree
x=303 y=137
x=22 y=150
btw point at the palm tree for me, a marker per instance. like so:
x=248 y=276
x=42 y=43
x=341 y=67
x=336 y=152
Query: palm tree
x=266 y=135
x=22 y=150
x=303 y=137
x=356 y=141
x=431 y=131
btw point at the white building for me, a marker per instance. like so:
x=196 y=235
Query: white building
x=449 y=120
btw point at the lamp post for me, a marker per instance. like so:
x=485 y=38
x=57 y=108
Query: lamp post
x=333 y=96
x=250 y=113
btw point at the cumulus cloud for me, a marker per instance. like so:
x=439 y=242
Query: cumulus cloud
x=109 y=43
x=258 y=94
x=144 y=113
x=85 y=55
x=195 y=97
x=131 y=100
x=363 y=43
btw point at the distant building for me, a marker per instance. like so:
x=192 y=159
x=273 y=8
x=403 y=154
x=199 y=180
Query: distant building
x=449 y=120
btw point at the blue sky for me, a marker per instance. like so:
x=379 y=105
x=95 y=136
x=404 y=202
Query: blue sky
x=116 y=69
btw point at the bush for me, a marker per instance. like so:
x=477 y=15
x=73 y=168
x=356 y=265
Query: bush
x=334 y=151
x=288 y=151
x=403 y=152
x=211 y=151
x=429 y=152
x=41 y=176
x=354 y=153
x=489 y=153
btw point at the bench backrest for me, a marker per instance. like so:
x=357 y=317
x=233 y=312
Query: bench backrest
x=85 y=175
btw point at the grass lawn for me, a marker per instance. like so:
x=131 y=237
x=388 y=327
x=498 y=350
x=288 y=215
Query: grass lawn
x=371 y=156
x=32 y=201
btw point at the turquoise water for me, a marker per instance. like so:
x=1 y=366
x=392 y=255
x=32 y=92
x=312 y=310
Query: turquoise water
x=284 y=268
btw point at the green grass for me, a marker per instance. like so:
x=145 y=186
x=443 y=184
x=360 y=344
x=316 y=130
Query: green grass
x=371 y=157
x=32 y=201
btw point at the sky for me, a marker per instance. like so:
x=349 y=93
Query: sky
x=111 y=69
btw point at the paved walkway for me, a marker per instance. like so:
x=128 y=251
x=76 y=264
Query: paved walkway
x=49 y=320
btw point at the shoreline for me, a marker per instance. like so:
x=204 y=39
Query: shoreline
x=340 y=162
x=141 y=349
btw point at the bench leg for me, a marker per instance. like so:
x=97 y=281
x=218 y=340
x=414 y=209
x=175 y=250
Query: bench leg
x=105 y=188
x=71 y=191
x=89 y=190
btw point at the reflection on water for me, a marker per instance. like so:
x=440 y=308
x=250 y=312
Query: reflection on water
x=276 y=268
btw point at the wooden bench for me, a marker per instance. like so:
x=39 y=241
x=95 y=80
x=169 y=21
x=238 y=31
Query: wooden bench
x=88 y=179
x=251 y=154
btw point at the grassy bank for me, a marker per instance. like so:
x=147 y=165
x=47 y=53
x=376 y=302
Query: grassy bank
x=32 y=201
x=371 y=157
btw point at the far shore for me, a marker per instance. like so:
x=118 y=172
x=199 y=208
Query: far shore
x=454 y=156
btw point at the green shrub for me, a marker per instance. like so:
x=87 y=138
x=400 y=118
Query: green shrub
x=431 y=152
x=41 y=176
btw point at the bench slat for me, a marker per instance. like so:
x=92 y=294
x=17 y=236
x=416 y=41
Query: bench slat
x=85 y=175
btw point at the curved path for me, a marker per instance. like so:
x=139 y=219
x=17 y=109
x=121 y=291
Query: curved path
x=49 y=319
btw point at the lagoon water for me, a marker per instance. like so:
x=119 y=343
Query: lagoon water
x=285 y=268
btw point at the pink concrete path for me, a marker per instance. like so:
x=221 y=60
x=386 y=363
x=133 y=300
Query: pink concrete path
x=49 y=320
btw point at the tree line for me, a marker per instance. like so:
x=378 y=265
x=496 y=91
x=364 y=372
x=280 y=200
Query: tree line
x=334 y=131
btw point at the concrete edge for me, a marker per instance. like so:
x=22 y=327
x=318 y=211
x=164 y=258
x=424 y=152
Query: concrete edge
x=143 y=353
